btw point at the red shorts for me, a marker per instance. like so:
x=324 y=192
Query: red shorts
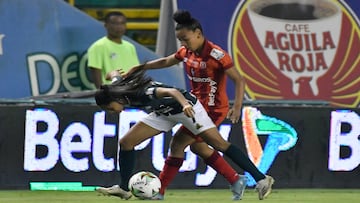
x=216 y=117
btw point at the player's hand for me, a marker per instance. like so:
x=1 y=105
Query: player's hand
x=188 y=111
x=131 y=71
x=234 y=115
x=112 y=74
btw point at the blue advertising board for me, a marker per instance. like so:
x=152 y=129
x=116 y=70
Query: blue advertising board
x=43 y=50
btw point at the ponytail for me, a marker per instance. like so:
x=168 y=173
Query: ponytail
x=185 y=20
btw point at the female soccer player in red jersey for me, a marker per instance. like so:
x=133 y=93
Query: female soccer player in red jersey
x=207 y=67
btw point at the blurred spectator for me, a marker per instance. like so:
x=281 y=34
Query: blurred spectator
x=111 y=52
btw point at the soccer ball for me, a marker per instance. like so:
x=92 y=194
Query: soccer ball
x=144 y=185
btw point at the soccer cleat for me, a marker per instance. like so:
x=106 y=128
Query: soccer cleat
x=238 y=187
x=158 y=196
x=263 y=187
x=114 y=190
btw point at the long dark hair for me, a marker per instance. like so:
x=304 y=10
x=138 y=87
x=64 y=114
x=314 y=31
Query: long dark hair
x=184 y=19
x=123 y=91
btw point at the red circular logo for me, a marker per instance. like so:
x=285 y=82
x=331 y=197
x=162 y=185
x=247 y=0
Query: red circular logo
x=298 y=50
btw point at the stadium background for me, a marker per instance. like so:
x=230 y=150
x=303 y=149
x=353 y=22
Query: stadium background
x=43 y=52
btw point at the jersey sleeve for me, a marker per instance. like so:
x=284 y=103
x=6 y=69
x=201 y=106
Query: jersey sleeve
x=227 y=61
x=222 y=57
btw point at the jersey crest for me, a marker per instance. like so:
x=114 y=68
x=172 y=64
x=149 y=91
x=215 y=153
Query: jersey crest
x=217 y=54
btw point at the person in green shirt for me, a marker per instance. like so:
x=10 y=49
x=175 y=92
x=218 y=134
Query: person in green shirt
x=111 y=52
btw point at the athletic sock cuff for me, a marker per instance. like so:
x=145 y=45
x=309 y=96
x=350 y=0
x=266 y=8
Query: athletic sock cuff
x=230 y=150
x=214 y=156
x=174 y=161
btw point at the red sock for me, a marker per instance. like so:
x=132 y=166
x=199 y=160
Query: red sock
x=217 y=162
x=171 y=168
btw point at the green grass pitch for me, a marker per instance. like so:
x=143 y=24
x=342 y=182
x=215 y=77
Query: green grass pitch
x=187 y=196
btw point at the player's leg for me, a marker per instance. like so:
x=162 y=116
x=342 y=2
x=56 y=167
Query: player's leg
x=148 y=127
x=213 y=138
x=212 y=158
x=173 y=162
x=137 y=134
x=175 y=158
x=206 y=129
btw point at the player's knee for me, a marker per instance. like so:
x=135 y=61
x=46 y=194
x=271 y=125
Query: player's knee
x=126 y=144
x=203 y=150
x=194 y=149
x=220 y=145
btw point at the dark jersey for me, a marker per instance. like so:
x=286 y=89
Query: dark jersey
x=146 y=99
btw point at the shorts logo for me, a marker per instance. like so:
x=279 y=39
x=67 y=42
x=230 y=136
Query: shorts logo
x=198 y=126
x=303 y=55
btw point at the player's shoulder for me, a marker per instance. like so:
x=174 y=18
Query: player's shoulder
x=217 y=54
x=216 y=51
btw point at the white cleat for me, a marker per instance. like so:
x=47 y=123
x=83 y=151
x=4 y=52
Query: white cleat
x=238 y=188
x=158 y=196
x=264 y=186
x=114 y=190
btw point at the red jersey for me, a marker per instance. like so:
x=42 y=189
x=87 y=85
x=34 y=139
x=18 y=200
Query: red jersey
x=206 y=72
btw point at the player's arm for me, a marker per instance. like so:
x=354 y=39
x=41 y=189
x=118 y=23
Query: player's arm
x=163 y=62
x=114 y=74
x=235 y=112
x=176 y=94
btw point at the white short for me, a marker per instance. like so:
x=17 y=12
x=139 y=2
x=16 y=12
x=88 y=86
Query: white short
x=166 y=123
